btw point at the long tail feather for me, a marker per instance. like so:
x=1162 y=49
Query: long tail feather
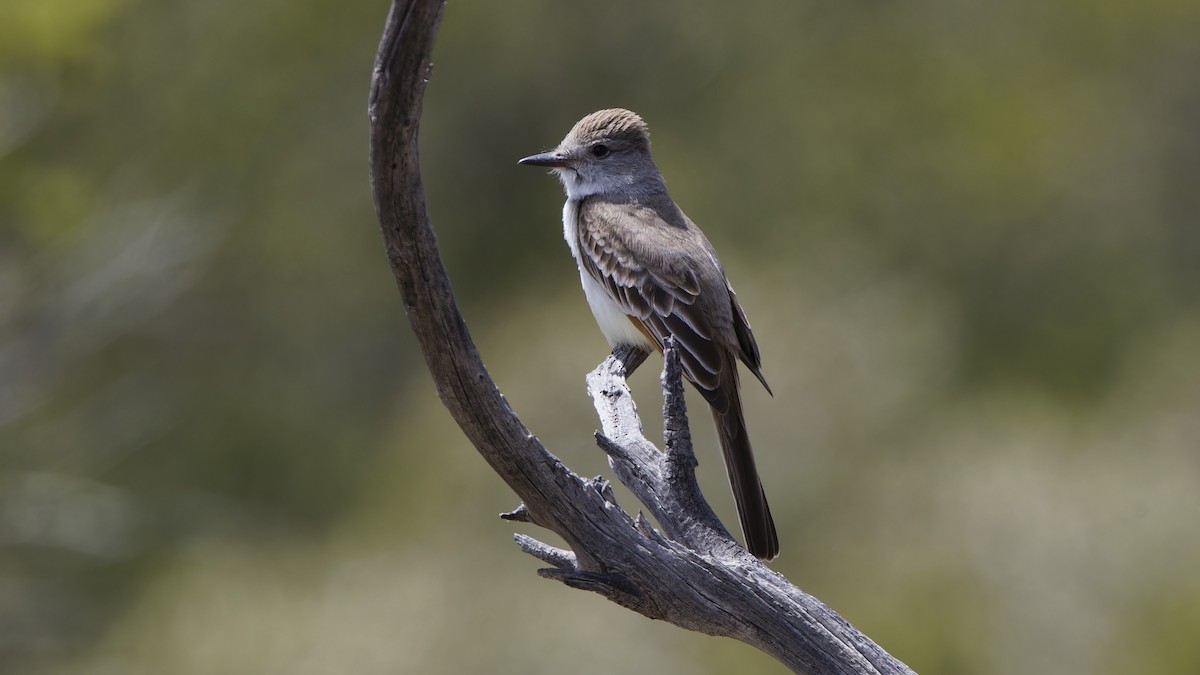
x=757 y=525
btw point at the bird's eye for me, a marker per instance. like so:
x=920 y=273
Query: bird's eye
x=600 y=151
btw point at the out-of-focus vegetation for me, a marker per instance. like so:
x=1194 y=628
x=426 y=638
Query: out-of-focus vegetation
x=967 y=235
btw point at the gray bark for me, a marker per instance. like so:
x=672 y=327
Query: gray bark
x=692 y=573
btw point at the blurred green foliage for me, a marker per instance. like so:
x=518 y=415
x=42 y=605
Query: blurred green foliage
x=967 y=234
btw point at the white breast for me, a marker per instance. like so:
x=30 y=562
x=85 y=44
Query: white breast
x=613 y=321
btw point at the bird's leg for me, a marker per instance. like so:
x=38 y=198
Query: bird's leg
x=630 y=356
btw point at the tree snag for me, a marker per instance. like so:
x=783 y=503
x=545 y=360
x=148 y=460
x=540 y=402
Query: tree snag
x=692 y=574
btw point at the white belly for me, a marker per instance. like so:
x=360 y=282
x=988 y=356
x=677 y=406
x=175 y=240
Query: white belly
x=613 y=321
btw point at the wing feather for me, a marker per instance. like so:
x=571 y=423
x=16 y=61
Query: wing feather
x=619 y=245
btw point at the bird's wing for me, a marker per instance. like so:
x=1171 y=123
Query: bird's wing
x=748 y=345
x=621 y=245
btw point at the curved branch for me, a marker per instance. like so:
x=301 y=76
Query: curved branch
x=694 y=575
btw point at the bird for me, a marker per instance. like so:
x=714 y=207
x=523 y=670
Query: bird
x=649 y=274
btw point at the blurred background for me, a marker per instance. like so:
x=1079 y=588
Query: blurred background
x=966 y=235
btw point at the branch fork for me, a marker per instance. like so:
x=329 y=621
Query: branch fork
x=665 y=482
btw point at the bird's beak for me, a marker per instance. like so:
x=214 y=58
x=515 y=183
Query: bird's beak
x=554 y=158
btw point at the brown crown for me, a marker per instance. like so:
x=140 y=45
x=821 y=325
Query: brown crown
x=611 y=123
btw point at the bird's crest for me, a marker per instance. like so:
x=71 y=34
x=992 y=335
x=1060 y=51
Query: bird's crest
x=613 y=123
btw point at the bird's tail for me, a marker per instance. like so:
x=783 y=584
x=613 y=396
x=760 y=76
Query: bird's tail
x=757 y=525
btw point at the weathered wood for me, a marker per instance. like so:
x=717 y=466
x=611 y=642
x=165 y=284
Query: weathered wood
x=693 y=573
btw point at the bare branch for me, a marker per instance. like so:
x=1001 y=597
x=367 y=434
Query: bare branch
x=693 y=574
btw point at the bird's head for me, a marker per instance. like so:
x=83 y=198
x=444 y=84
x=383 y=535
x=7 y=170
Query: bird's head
x=607 y=152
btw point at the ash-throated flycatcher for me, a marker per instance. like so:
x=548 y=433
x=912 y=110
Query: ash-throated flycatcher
x=649 y=273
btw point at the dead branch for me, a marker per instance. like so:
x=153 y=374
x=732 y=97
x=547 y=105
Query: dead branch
x=691 y=574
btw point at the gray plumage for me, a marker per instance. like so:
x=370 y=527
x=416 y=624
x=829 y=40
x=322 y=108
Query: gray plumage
x=648 y=273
